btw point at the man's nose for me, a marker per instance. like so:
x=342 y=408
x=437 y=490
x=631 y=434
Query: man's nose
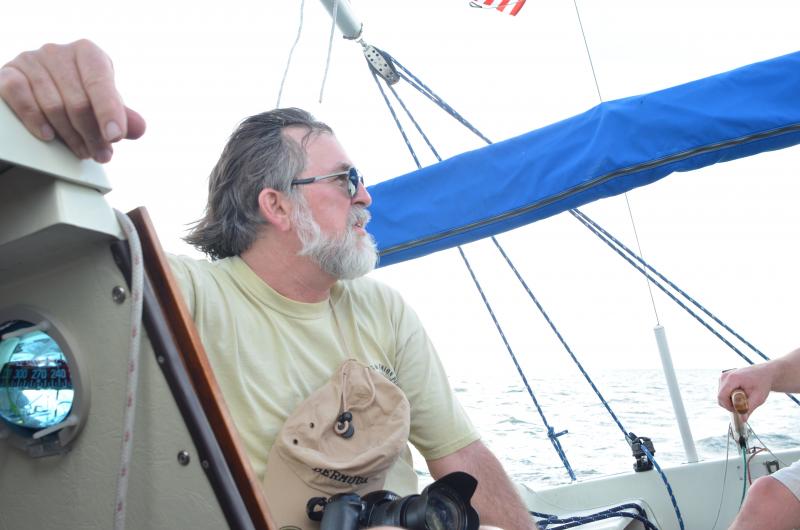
x=362 y=196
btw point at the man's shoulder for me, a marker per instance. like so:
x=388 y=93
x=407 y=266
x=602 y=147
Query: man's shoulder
x=370 y=288
x=196 y=266
x=197 y=275
x=371 y=296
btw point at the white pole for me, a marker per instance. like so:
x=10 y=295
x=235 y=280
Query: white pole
x=675 y=395
x=347 y=21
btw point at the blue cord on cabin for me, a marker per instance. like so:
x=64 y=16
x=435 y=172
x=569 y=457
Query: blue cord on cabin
x=619 y=247
x=545 y=520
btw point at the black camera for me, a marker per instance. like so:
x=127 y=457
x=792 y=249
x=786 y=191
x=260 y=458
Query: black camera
x=444 y=505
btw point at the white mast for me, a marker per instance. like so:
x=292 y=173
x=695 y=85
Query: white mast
x=346 y=20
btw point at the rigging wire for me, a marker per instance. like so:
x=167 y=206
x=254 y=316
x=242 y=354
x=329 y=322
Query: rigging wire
x=728 y=439
x=746 y=474
x=627 y=200
x=291 y=52
x=753 y=452
x=767 y=449
x=431 y=95
x=588 y=53
x=551 y=434
x=629 y=256
x=396 y=120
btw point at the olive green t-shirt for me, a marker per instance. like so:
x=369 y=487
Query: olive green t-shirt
x=269 y=353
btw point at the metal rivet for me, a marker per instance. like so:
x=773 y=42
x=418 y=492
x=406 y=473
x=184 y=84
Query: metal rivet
x=160 y=359
x=184 y=458
x=205 y=464
x=119 y=294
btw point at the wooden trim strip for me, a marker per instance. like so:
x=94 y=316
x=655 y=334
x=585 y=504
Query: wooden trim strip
x=196 y=361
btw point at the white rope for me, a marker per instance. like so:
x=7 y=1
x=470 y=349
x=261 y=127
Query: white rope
x=291 y=52
x=330 y=48
x=137 y=283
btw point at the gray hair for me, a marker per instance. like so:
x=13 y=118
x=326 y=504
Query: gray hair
x=257 y=156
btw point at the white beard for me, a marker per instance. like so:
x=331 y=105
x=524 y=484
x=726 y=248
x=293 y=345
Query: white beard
x=346 y=257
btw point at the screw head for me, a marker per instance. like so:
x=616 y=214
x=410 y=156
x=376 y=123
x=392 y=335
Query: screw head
x=184 y=458
x=119 y=294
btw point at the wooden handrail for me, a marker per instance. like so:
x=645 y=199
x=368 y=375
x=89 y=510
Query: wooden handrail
x=197 y=364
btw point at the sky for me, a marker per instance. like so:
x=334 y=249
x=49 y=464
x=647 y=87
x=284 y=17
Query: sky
x=727 y=234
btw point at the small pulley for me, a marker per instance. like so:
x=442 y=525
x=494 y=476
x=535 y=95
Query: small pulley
x=642 y=463
x=380 y=64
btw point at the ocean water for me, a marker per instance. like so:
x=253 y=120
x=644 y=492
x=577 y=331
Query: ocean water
x=512 y=428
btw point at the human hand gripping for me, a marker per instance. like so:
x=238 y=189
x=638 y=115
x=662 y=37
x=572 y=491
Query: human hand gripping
x=68 y=91
x=755 y=381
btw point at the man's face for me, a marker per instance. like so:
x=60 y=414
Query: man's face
x=329 y=223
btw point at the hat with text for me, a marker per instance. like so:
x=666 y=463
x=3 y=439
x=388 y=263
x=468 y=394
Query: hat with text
x=342 y=439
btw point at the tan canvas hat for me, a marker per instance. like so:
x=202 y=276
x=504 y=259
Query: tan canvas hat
x=343 y=438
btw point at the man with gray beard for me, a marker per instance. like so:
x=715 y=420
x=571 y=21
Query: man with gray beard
x=347 y=258
x=283 y=306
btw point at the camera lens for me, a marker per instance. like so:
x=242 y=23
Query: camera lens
x=443 y=513
x=444 y=505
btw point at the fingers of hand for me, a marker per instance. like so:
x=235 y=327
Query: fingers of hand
x=62 y=63
x=136 y=124
x=68 y=90
x=726 y=387
x=97 y=76
x=42 y=101
x=18 y=94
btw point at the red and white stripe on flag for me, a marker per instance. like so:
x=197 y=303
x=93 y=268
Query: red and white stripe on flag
x=501 y=5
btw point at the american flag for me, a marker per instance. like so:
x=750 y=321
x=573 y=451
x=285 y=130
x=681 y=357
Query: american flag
x=501 y=5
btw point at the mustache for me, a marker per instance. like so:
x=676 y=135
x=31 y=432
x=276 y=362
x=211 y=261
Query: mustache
x=359 y=215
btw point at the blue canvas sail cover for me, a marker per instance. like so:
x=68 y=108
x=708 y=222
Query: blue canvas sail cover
x=612 y=148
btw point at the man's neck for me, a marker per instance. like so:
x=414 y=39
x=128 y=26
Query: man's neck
x=295 y=277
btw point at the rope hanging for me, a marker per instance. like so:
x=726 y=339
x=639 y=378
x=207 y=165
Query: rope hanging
x=291 y=53
x=132 y=379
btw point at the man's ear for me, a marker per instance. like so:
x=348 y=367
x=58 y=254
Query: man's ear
x=275 y=207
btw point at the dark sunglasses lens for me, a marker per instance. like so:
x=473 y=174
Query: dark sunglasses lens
x=353 y=178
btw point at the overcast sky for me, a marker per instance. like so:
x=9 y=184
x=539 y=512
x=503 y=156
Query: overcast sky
x=728 y=234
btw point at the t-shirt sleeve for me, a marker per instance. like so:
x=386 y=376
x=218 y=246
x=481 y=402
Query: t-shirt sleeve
x=181 y=269
x=439 y=424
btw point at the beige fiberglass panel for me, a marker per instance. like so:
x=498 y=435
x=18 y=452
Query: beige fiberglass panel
x=20 y=148
x=77 y=489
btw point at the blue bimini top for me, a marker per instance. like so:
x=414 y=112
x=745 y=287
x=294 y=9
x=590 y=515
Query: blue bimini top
x=610 y=149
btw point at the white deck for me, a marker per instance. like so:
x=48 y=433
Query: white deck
x=708 y=493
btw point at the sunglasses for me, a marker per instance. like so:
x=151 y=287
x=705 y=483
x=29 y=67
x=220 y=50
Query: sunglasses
x=354 y=178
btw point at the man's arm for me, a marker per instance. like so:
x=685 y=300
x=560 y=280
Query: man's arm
x=68 y=91
x=496 y=499
x=757 y=381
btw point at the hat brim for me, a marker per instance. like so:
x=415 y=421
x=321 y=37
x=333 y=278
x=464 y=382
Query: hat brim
x=287 y=494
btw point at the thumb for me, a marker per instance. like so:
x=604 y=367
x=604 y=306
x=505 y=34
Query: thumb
x=136 y=124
